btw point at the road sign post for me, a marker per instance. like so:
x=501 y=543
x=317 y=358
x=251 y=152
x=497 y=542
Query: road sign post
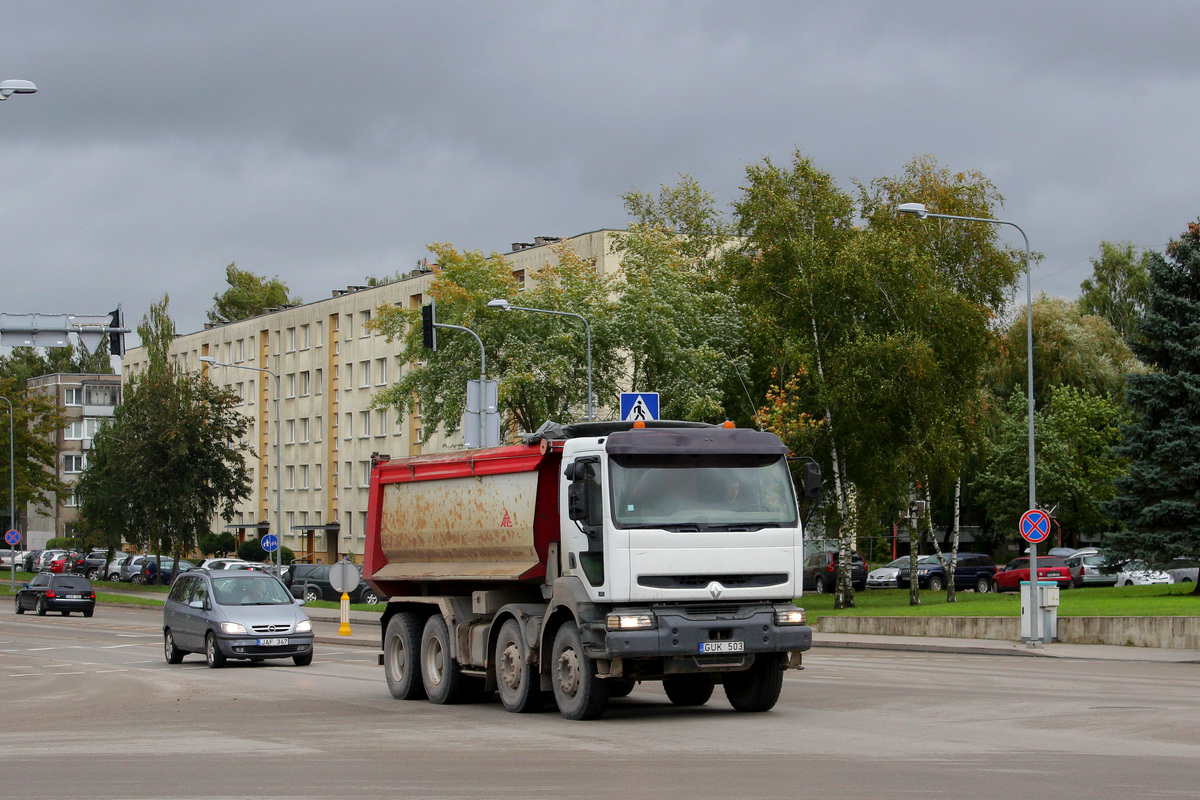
x=1035 y=528
x=343 y=577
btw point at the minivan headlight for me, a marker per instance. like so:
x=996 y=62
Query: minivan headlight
x=232 y=627
x=303 y=626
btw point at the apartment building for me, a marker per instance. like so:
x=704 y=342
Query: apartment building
x=85 y=401
x=328 y=367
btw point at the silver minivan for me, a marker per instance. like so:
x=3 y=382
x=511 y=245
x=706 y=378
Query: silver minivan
x=234 y=614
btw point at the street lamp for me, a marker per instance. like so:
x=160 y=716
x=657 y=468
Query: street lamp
x=8 y=88
x=504 y=305
x=212 y=362
x=919 y=211
x=12 y=491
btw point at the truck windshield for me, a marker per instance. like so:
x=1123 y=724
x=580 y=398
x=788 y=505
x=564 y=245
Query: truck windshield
x=741 y=493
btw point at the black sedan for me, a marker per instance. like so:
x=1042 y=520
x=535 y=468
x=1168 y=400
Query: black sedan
x=62 y=593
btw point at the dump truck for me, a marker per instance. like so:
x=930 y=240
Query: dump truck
x=589 y=558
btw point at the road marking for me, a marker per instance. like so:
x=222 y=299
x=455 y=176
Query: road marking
x=25 y=675
x=104 y=671
x=70 y=673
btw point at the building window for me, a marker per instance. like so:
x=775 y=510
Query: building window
x=365 y=424
x=100 y=395
x=304 y=476
x=362 y=522
x=320 y=333
x=82 y=429
x=348 y=475
x=381 y=371
x=519 y=276
x=303 y=429
x=304 y=343
x=304 y=381
x=239 y=349
x=74 y=463
x=290 y=472
x=348 y=433
x=290 y=380
x=73 y=397
x=71 y=500
x=349 y=377
x=290 y=427
x=320 y=469
x=320 y=429
x=321 y=381
x=365 y=469
x=364 y=317
x=381 y=416
x=349 y=328
x=365 y=368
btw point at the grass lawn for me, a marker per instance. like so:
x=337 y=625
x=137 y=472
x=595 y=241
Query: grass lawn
x=1162 y=600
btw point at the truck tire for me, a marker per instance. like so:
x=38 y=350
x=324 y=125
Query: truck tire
x=443 y=680
x=517 y=681
x=758 y=688
x=688 y=690
x=580 y=694
x=402 y=657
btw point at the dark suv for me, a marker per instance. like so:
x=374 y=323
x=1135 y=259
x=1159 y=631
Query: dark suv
x=820 y=572
x=971 y=571
x=311 y=582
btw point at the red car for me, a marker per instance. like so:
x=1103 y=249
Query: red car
x=70 y=562
x=1050 y=568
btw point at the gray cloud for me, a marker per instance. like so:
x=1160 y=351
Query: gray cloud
x=325 y=142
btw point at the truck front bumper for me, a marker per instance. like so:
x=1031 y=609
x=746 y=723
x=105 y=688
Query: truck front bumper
x=707 y=633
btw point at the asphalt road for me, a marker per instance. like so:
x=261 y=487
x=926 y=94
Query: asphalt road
x=92 y=710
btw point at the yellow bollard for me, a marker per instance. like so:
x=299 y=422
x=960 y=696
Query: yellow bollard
x=344 y=629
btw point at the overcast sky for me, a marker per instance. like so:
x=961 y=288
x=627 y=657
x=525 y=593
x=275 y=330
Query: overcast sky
x=325 y=142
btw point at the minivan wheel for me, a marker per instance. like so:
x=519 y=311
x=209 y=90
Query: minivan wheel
x=173 y=654
x=983 y=586
x=212 y=651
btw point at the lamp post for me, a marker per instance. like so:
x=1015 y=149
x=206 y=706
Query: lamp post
x=212 y=362
x=504 y=305
x=8 y=88
x=12 y=492
x=919 y=211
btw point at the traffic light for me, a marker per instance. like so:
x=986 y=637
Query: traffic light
x=116 y=335
x=428 y=327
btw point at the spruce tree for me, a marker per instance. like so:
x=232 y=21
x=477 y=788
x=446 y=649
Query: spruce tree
x=1158 y=502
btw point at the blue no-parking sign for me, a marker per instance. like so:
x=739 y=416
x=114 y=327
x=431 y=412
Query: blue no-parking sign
x=12 y=537
x=1035 y=525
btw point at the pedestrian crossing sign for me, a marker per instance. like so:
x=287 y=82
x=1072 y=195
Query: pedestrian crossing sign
x=639 y=406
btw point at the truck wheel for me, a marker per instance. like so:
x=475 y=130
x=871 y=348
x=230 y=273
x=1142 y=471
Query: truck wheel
x=401 y=657
x=688 y=690
x=936 y=584
x=756 y=689
x=517 y=680
x=620 y=687
x=444 y=682
x=580 y=694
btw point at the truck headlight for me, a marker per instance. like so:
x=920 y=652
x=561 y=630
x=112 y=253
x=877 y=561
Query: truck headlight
x=631 y=622
x=790 y=615
x=232 y=627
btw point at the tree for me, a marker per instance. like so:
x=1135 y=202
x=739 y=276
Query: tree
x=217 y=544
x=170 y=459
x=1119 y=287
x=538 y=359
x=248 y=296
x=1158 y=501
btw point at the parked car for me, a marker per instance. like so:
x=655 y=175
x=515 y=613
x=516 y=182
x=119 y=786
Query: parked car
x=1088 y=570
x=1050 y=568
x=68 y=562
x=219 y=563
x=885 y=577
x=62 y=593
x=971 y=571
x=153 y=572
x=238 y=614
x=1062 y=552
x=1183 y=570
x=94 y=564
x=45 y=557
x=1137 y=573
x=820 y=572
x=311 y=582
x=9 y=557
x=31 y=558
x=113 y=570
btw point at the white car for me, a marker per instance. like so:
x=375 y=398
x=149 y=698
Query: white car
x=1136 y=573
x=1183 y=570
x=885 y=577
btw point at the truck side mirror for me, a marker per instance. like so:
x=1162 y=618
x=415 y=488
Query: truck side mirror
x=812 y=480
x=577 y=505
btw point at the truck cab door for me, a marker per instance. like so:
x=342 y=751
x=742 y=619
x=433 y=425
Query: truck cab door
x=585 y=506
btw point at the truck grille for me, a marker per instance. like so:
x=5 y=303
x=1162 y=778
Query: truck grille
x=700 y=581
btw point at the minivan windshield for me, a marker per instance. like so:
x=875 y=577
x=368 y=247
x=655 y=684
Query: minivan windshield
x=255 y=590
x=739 y=493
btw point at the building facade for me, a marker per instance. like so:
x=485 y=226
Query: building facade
x=85 y=401
x=328 y=367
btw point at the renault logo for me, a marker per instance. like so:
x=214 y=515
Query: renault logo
x=715 y=590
